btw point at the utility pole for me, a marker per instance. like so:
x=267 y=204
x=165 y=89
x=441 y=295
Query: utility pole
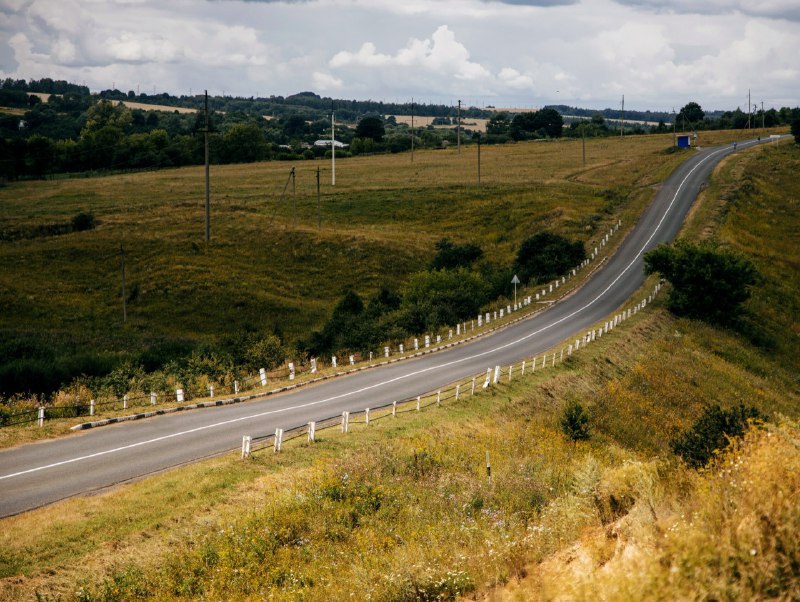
x=122 y=270
x=583 y=142
x=208 y=189
x=333 y=148
x=674 y=135
x=294 y=201
x=459 y=127
x=412 y=130
x=479 y=158
x=762 y=116
x=319 y=206
x=622 y=123
x=749 y=108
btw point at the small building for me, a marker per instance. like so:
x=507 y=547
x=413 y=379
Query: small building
x=684 y=140
x=327 y=143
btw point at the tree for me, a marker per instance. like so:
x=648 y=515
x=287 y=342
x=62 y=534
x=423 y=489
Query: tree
x=498 y=124
x=796 y=129
x=550 y=122
x=371 y=127
x=545 y=256
x=441 y=297
x=691 y=113
x=708 y=283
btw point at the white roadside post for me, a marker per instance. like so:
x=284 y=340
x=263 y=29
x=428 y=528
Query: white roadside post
x=152 y=398
x=124 y=402
x=179 y=395
x=262 y=373
x=91 y=407
x=291 y=370
x=41 y=416
x=496 y=374
x=366 y=416
x=278 y=440
x=345 y=422
x=312 y=431
x=246 y=441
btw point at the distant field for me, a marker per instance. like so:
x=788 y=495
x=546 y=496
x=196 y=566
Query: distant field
x=421 y=122
x=265 y=271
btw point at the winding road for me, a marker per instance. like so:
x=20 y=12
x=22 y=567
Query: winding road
x=41 y=473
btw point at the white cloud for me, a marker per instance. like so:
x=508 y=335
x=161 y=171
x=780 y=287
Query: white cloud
x=513 y=52
x=441 y=53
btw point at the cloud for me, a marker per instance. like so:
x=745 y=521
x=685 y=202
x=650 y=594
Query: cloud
x=514 y=79
x=325 y=82
x=441 y=53
x=772 y=9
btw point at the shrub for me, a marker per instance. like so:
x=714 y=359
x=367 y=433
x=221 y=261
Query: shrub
x=575 y=422
x=712 y=432
x=708 y=284
x=545 y=256
x=450 y=256
x=83 y=221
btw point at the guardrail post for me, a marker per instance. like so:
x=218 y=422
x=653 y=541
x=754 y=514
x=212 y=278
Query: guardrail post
x=313 y=365
x=333 y=361
x=438 y=398
x=554 y=360
x=523 y=368
x=263 y=374
x=179 y=395
x=153 y=398
x=488 y=378
x=278 y=440
x=438 y=339
x=417 y=403
x=510 y=370
x=533 y=364
x=394 y=409
x=496 y=374
x=124 y=402
x=211 y=391
x=345 y=422
x=458 y=390
x=561 y=359
x=427 y=341
x=246 y=446
x=402 y=348
x=291 y=370
x=366 y=416
x=91 y=407
x=458 y=330
x=473 y=387
x=236 y=387
x=312 y=431
x=352 y=360
x=416 y=344
x=41 y=416
x=385 y=352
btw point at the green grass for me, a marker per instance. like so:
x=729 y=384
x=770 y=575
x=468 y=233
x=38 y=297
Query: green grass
x=261 y=271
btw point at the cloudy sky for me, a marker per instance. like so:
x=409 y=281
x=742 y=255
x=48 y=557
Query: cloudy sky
x=519 y=53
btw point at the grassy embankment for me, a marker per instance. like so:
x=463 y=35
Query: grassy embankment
x=403 y=509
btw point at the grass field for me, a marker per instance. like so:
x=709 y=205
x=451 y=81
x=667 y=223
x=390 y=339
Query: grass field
x=266 y=270
x=403 y=510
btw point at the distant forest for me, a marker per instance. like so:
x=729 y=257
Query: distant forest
x=76 y=131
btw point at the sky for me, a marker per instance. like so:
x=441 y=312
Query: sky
x=659 y=54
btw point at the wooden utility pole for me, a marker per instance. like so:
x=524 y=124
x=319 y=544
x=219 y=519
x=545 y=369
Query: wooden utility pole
x=479 y=159
x=124 y=297
x=294 y=201
x=622 y=122
x=208 y=189
x=583 y=142
x=459 y=126
x=333 y=147
x=319 y=205
x=412 y=130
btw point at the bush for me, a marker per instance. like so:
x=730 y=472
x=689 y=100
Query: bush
x=450 y=256
x=712 y=432
x=546 y=256
x=83 y=221
x=708 y=284
x=575 y=422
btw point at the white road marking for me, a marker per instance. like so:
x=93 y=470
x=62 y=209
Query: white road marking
x=392 y=380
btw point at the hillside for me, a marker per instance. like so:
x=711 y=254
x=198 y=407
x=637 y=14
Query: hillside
x=403 y=509
x=267 y=271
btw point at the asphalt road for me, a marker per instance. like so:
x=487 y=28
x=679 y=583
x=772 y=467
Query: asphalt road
x=41 y=473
